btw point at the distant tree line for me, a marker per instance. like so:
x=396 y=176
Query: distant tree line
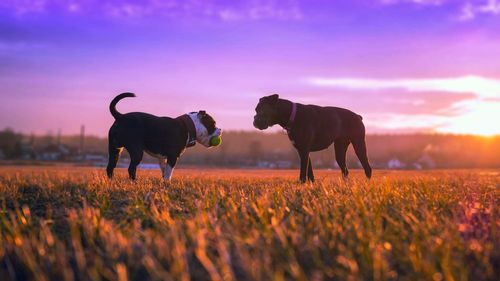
x=10 y=144
x=257 y=149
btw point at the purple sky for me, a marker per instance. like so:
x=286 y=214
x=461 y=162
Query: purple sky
x=407 y=65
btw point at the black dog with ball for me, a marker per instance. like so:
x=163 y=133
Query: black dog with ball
x=162 y=137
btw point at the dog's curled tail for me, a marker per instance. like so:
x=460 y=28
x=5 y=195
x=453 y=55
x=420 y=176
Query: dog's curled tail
x=112 y=105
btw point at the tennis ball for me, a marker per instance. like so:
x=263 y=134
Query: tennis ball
x=215 y=141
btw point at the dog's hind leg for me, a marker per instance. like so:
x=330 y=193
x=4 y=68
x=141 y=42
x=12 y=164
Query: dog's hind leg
x=304 y=162
x=135 y=158
x=359 y=145
x=163 y=164
x=341 y=146
x=114 y=155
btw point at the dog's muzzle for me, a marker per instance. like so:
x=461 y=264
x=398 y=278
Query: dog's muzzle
x=260 y=123
x=216 y=133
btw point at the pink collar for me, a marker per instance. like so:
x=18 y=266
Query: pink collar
x=292 y=115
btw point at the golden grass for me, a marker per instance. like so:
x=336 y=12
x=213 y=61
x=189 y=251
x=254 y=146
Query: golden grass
x=73 y=224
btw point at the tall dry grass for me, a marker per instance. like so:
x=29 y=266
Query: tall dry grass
x=73 y=224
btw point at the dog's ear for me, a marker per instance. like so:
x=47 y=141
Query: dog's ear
x=272 y=98
x=202 y=113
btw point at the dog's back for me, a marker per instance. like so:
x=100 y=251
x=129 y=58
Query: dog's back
x=334 y=119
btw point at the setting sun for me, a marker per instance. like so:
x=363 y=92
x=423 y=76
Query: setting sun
x=480 y=118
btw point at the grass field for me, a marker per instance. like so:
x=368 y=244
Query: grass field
x=74 y=224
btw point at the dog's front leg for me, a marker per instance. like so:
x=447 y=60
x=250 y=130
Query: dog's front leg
x=310 y=174
x=169 y=168
x=304 y=163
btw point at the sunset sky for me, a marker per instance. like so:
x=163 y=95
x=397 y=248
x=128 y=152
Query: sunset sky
x=405 y=65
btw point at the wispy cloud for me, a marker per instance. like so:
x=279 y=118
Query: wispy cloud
x=9 y=47
x=260 y=12
x=24 y=7
x=483 y=87
x=464 y=10
x=471 y=10
x=471 y=115
x=222 y=10
x=417 y=2
x=406 y=123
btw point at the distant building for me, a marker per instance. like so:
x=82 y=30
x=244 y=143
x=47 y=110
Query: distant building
x=56 y=152
x=95 y=159
x=394 y=163
x=283 y=164
x=426 y=161
x=278 y=164
x=27 y=151
x=265 y=164
x=417 y=166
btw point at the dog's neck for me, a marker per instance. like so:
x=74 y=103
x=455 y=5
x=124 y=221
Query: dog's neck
x=286 y=113
x=190 y=129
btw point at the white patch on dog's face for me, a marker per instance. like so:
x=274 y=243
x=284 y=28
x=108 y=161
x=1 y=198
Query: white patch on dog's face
x=202 y=135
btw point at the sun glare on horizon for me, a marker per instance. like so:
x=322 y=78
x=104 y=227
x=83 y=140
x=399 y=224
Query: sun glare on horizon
x=481 y=119
x=475 y=107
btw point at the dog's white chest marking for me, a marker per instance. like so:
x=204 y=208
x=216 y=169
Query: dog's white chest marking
x=201 y=132
x=167 y=175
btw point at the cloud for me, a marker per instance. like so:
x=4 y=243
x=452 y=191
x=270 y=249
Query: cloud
x=483 y=87
x=221 y=10
x=468 y=115
x=24 y=7
x=467 y=10
x=417 y=2
x=417 y=103
x=470 y=11
x=17 y=46
x=405 y=122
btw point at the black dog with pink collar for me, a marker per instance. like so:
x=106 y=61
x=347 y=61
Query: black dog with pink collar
x=313 y=128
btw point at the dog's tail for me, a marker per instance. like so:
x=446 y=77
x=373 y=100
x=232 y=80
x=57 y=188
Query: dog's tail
x=112 y=105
